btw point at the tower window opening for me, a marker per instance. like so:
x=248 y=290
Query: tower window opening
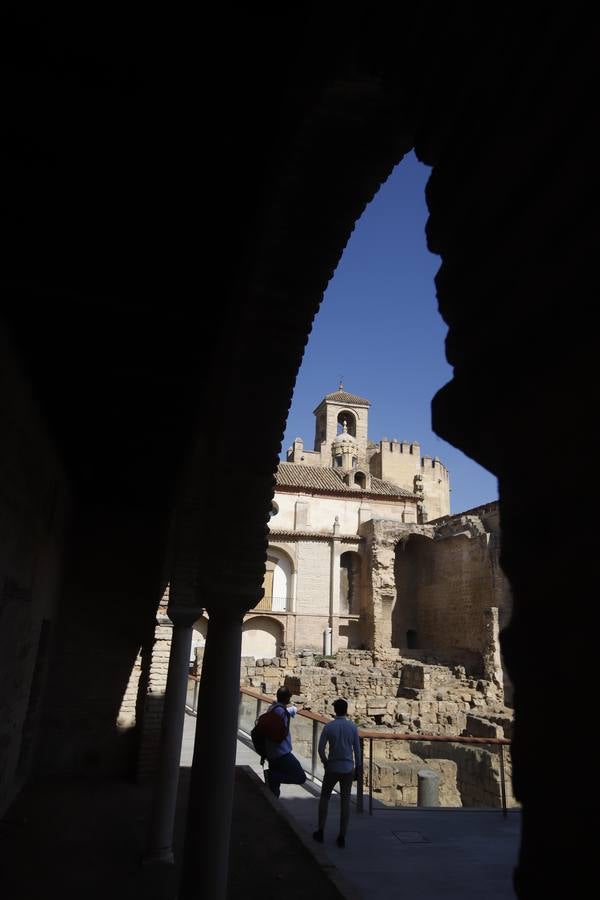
x=346 y=418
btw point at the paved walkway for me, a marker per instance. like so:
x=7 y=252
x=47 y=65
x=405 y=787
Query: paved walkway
x=399 y=853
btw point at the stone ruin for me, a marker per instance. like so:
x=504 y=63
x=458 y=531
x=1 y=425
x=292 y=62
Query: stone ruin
x=386 y=692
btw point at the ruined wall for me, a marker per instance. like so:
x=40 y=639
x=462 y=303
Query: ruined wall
x=453 y=589
x=386 y=694
x=33 y=503
x=476 y=574
x=379 y=594
x=451 y=595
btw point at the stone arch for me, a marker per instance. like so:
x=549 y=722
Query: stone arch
x=367 y=117
x=491 y=203
x=262 y=636
x=410 y=575
x=279 y=583
x=350 y=419
x=362 y=479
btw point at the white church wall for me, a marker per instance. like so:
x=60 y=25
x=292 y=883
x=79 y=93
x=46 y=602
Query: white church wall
x=314 y=567
x=321 y=512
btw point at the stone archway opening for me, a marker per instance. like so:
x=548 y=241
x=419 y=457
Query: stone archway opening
x=262 y=637
x=412 y=564
x=346 y=419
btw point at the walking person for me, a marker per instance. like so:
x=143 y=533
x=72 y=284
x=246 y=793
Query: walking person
x=284 y=768
x=343 y=763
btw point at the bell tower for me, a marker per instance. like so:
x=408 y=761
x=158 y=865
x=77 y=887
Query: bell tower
x=341 y=429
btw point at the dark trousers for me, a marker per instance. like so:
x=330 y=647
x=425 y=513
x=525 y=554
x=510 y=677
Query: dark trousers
x=330 y=780
x=284 y=770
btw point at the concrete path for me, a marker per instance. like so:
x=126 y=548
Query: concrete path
x=398 y=853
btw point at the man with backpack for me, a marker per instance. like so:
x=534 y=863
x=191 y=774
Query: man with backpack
x=284 y=768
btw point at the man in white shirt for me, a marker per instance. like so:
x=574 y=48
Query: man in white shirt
x=340 y=764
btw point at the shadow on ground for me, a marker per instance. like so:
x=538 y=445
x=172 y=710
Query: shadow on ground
x=76 y=839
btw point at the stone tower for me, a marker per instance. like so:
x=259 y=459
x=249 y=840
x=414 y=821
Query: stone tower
x=341 y=429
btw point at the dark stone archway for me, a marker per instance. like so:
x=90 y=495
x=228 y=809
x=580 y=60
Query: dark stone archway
x=107 y=278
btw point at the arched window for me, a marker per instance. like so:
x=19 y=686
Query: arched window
x=361 y=479
x=350 y=420
x=277 y=584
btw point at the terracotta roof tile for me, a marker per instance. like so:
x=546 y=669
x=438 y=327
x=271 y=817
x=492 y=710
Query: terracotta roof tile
x=323 y=479
x=345 y=397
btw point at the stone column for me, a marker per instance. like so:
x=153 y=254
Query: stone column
x=334 y=586
x=206 y=856
x=162 y=817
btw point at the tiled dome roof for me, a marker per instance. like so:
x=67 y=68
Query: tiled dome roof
x=344 y=397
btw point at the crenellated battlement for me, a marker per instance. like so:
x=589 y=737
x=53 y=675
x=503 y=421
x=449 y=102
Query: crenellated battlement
x=395 y=446
x=434 y=465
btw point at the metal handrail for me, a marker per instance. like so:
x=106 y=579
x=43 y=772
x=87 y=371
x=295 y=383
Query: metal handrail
x=366 y=734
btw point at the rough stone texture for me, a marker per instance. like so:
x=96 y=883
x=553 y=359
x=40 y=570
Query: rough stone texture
x=381 y=539
x=402 y=695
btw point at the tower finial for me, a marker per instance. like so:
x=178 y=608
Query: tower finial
x=341 y=387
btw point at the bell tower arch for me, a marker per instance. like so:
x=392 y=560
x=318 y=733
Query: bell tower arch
x=341 y=413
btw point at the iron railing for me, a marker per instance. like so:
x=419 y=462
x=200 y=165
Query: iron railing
x=307 y=729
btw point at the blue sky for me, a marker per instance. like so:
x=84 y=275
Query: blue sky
x=379 y=330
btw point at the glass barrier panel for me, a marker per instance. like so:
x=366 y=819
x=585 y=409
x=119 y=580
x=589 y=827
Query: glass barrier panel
x=301 y=730
x=248 y=712
x=449 y=774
